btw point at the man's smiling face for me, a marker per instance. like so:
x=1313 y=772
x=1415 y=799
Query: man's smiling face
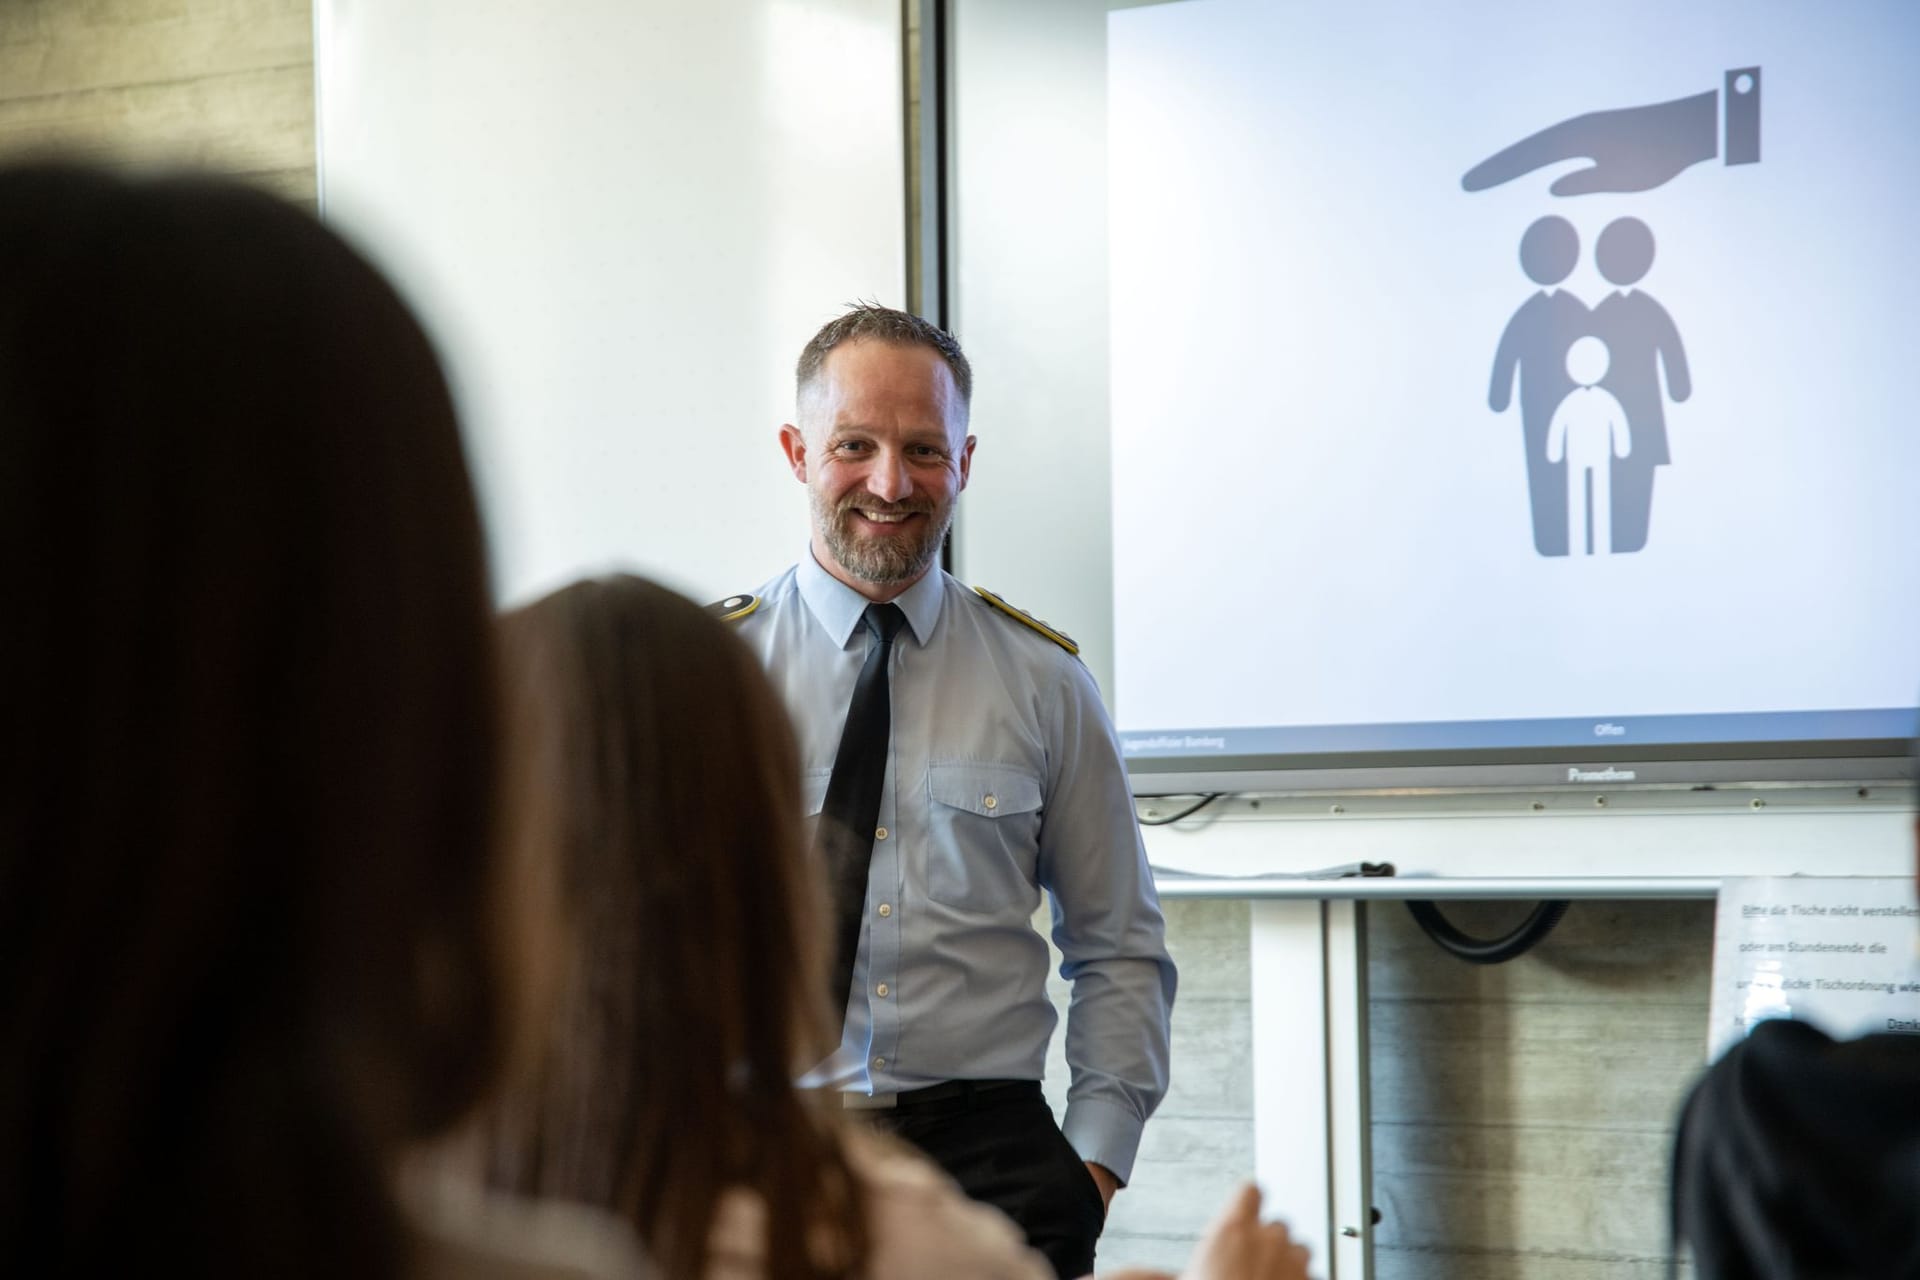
x=882 y=447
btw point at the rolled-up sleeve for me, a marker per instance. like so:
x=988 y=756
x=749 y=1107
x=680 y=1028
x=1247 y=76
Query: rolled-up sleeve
x=1109 y=929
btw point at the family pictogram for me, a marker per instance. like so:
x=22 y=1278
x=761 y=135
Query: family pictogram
x=1594 y=381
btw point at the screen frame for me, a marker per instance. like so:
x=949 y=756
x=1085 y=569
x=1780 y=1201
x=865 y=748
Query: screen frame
x=1692 y=766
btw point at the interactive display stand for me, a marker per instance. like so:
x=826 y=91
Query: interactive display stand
x=1350 y=559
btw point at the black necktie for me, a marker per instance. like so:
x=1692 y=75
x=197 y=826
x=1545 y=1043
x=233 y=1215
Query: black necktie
x=852 y=807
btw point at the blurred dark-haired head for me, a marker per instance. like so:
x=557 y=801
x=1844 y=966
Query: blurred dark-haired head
x=1799 y=1155
x=248 y=727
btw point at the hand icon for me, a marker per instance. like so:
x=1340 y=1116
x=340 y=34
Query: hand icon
x=1634 y=148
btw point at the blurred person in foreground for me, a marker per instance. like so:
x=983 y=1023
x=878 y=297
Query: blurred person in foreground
x=1798 y=1156
x=651 y=764
x=253 y=931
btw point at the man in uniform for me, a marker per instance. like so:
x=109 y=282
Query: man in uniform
x=960 y=762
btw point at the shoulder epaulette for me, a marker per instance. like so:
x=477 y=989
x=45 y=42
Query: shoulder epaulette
x=1024 y=618
x=734 y=608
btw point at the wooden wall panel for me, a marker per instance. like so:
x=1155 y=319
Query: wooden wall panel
x=221 y=84
x=1199 y=1145
x=1522 y=1112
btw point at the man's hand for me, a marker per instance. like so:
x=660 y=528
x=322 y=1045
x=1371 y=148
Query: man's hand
x=1104 y=1179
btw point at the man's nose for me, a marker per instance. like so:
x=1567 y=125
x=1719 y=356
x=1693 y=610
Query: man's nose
x=887 y=478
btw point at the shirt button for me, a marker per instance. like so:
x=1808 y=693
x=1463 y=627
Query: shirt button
x=879 y=1064
x=885 y=909
x=880 y=833
x=992 y=803
x=880 y=990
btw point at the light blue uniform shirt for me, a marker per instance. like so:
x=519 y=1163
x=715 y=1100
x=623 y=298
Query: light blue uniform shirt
x=1003 y=779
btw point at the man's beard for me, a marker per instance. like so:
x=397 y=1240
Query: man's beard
x=882 y=558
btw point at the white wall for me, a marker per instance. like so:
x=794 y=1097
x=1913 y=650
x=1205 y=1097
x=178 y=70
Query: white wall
x=622 y=219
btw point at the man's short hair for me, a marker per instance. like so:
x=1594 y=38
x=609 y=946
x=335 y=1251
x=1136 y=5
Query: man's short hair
x=869 y=321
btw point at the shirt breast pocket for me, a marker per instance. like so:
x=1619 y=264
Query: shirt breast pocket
x=813 y=791
x=984 y=840
x=813 y=798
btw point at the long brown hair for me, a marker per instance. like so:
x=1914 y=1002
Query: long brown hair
x=246 y=738
x=654 y=767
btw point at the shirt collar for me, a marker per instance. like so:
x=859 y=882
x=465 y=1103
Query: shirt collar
x=838 y=607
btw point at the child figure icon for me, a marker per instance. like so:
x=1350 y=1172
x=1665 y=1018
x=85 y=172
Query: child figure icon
x=1588 y=431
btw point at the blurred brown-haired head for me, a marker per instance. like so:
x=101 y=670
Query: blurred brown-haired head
x=248 y=728
x=652 y=766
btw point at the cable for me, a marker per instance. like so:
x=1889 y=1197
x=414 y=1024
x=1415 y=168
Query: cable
x=1187 y=812
x=1538 y=924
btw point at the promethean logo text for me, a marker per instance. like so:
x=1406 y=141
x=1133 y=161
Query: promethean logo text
x=1576 y=774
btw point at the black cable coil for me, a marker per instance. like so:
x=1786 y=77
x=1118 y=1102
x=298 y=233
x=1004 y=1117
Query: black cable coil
x=1538 y=924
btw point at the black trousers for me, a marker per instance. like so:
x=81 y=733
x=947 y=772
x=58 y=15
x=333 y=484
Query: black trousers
x=998 y=1140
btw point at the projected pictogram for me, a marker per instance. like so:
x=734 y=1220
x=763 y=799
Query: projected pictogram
x=1589 y=496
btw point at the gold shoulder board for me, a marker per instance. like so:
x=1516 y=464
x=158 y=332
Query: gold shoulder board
x=734 y=608
x=1026 y=619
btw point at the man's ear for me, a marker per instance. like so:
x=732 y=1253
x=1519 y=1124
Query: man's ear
x=966 y=460
x=793 y=442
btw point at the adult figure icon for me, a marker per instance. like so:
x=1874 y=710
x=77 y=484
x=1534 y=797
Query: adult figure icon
x=1588 y=432
x=1644 y=344
x=1534 y=349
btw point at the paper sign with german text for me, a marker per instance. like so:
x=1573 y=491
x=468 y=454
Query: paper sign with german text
x=1836 y=952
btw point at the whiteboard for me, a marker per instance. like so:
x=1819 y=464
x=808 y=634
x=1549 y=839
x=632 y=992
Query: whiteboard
x=621 y=220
